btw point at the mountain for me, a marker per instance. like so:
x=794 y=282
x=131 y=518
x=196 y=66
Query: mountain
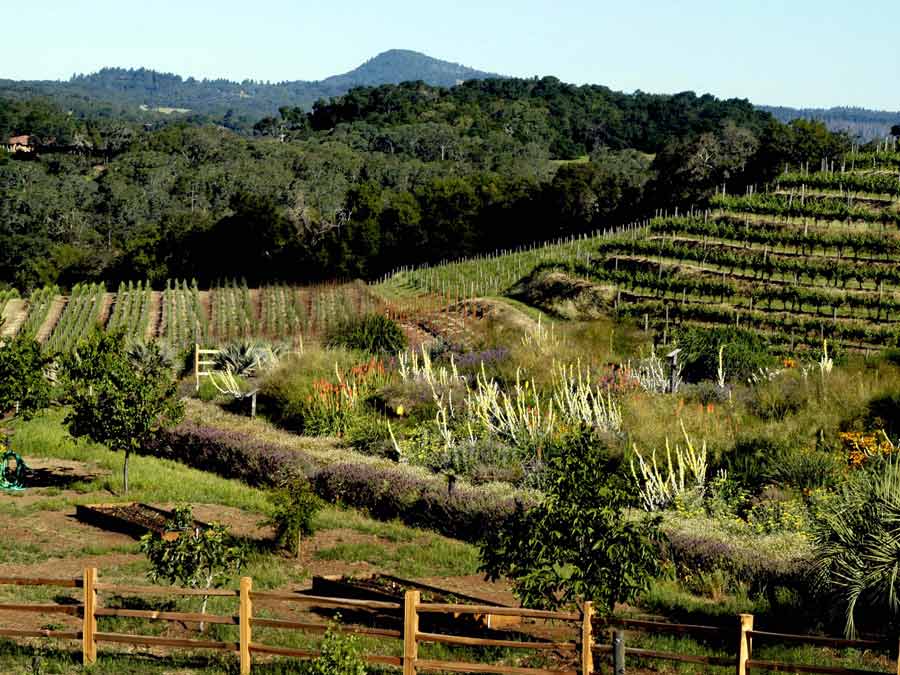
x=143 y=90
x=866 y=125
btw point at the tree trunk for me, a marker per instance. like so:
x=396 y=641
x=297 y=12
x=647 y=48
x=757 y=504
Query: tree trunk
x=125 y=470
x=299 y=538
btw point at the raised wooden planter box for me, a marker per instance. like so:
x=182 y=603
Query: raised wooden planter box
x=132 y=518
x=388 y=588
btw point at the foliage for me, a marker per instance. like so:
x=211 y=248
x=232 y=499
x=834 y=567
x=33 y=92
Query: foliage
x=744 y=352
x=24 y=387
x=340 y=655
x=857 y=547
x=576 y=544
x=373 y=333
x=294 y=505
x=114 y=403
x=191 y=556
x=660 y=489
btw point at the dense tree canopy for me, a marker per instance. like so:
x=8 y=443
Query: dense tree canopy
x=380 y=177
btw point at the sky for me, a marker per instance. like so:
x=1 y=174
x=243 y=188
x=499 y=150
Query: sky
x=799 y=53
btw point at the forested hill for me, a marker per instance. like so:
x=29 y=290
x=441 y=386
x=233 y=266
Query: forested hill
x=129 y=89
x=859 y=123
x=379 y=177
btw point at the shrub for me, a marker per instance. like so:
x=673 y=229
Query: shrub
x=340 y=655
x=385 y=489
x=373 y=333
x=575 y=544
x=745 y=352
x=294 y=505
x=779 y=398
x=857 y=548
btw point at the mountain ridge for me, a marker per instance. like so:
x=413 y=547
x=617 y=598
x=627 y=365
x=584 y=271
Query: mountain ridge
x=132 y=88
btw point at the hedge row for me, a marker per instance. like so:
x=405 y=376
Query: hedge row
x=380 y=487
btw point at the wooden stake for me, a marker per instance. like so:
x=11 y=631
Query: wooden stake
x=245 y=612
x=745 y=644
x=89 y=624
x=410 y=632
x=618 y=652
x=587 y=639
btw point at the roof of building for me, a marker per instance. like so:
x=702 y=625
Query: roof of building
x=19 y=140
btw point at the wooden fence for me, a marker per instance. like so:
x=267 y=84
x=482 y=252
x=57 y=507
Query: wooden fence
x=580 y=652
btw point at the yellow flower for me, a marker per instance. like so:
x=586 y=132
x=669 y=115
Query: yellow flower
x=400 y=410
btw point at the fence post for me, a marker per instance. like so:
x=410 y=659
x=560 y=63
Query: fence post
x=618 y=651
x=89 y=621
x=587 y=639
x=244 y=614
x=745 y=646
x=410 y=632
x=197 y=365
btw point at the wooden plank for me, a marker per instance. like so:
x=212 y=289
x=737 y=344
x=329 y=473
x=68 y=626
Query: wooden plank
x=312 y=654
x=321 y=628
x=245 y=630
x=483 y=642
x=800 y=668
x=461 y=667
x=153 y=615
x=24 y=581
x=745 y=644
x=431 y=608
x=58 y=634
x=819 y=640
x=683 y=658
x=663 y=627
x=168 y=590
x=324 y=602
x=50 y=608
x=156 y=641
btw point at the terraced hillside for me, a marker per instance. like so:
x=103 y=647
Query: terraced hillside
x=815 y=255
x=182 y=314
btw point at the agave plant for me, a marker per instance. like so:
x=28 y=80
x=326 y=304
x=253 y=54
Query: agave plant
x=248 y=358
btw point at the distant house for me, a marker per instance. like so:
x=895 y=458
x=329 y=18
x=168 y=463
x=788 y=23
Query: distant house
x=20 y=144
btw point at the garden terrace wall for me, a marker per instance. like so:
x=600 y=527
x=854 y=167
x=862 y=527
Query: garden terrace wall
x=384 y=489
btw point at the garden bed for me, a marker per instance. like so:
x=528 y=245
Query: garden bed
x=132 y=518
x=388 y=588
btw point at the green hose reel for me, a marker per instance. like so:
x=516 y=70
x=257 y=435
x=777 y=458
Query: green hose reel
x=12 y=470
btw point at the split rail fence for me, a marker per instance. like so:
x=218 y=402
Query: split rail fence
x=582 y=654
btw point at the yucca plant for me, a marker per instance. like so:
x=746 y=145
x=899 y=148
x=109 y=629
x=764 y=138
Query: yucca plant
x=857 y=547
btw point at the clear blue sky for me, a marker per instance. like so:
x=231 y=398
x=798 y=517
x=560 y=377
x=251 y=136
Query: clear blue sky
x=787 y=52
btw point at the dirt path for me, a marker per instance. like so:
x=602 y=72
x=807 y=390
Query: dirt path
x=13 y=317
x=154 y=325
x=106 y=309
x=56 y=310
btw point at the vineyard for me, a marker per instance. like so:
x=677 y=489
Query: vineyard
x=181 y=314
x=814 y=256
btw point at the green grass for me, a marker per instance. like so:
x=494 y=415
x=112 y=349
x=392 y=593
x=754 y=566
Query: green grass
x=430 y=556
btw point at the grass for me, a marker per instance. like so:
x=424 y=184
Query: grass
x=430 y=556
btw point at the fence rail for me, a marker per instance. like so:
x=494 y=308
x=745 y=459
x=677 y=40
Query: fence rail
x=584 y=646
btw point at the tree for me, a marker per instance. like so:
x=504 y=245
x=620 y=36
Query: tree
x=190 y=556
x=577 y=544
x=294 y=505
x=115 y=402
x=24 y=387
x=895 y=131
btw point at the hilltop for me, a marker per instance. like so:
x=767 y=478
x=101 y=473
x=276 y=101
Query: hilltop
x=130 y=89
x=866 y=125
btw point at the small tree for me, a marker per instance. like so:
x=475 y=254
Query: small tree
x=115 y=400
x=895 y=131
x=577 y=544
x=190 y=556
x=294 y=505
x=24 y=387
x=339 y=655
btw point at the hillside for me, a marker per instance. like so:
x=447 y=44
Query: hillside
x=860 y=123
x=132 y=88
